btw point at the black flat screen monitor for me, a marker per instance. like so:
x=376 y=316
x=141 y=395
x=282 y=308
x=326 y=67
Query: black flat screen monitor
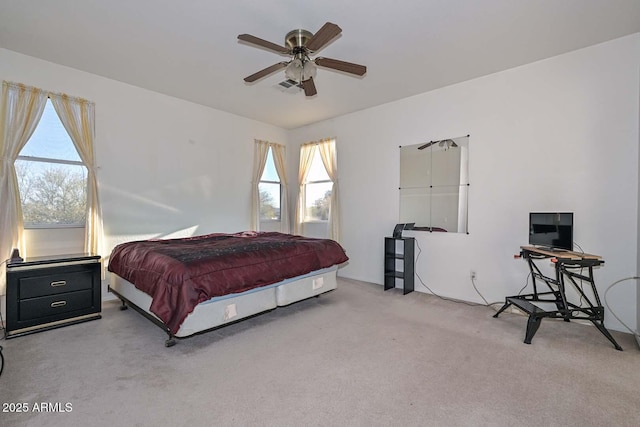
x=551 y=230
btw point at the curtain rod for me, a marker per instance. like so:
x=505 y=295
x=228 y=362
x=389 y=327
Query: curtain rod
x=319 y=142
x=48 y=92
x=268 y=142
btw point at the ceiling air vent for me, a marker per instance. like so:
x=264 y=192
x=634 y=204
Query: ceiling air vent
x=288 y=86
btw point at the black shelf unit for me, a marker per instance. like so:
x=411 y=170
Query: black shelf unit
x=392 y=255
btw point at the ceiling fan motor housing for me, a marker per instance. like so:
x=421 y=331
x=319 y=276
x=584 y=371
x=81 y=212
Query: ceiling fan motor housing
x=297 y=40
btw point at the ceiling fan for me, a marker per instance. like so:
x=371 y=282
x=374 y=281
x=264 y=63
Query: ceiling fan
x=300 y=44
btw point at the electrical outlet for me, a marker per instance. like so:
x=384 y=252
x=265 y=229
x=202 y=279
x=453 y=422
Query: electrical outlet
x=473 y=274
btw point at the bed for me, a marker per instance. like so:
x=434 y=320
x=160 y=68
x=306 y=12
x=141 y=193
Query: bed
x=191 y=285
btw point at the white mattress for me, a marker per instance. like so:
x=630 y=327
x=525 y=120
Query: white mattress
x=229 y=308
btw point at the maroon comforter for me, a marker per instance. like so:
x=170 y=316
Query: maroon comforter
x=181 y=273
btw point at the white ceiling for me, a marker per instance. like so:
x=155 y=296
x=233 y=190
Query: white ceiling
x=189 y=49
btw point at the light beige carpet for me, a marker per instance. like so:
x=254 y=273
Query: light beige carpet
x=357 y=356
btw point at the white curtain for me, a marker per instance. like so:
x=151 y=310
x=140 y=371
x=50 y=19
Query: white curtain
x=260 y=152
x=20 y=113
x=78 y=118
x=307 y=152
x=327 y=149
x=281 y=167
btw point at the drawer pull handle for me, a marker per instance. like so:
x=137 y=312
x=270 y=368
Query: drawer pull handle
x=59 y=283
x=58 y=304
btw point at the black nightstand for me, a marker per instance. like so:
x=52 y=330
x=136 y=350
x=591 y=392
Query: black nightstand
x=50 y=292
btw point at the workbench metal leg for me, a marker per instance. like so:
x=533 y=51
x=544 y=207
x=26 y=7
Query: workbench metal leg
x=504 y=307
x=607 y=334
x=532 y=327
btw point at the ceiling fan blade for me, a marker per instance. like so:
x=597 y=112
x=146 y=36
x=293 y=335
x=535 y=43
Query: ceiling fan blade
x=263 y=73
x=263 y=43
x=347 y=67
x=323 y=36
x=309 y=87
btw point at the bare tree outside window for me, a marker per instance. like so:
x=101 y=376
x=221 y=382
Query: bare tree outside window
x=319 y=210
x=269 y=207
x=52 y=194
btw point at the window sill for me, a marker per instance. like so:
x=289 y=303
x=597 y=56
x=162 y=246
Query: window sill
x=52 y=227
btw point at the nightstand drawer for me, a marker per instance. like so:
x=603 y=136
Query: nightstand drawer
x=52 y=305
x=52 y=284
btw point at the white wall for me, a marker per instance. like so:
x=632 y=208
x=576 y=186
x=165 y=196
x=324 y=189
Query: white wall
x=167 y=167
x=560 y=134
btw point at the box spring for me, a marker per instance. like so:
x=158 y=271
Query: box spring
x=230 y=308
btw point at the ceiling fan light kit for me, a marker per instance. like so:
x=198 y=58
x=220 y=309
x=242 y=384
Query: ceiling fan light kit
x=300 y=69
x=300 y=44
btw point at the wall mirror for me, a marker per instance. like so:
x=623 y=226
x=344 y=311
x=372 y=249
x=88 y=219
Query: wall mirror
x=434 y=185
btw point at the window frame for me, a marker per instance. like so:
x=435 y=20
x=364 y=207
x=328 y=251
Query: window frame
x=307 y=219
x=38 y=159
x=261 y=181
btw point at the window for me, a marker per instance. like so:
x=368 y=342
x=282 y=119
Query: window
x=52 y=179
x=318 y=196
x=317 y=191
x=270 y=191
